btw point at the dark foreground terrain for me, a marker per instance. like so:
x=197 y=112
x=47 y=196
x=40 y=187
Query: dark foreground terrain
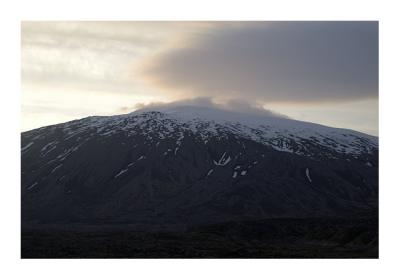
x=273 y=238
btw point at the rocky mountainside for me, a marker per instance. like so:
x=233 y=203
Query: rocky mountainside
x=192 y=165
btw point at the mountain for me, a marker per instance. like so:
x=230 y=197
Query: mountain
x=188 y=165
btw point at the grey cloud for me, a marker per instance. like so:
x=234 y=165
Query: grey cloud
x=276 y=62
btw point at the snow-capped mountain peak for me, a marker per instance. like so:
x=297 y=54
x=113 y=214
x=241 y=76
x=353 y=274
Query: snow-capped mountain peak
x=282 y=134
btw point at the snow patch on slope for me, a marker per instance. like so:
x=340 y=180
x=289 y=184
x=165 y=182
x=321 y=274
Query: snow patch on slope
x=308 y=175
x=32 y=186
x=26 y=146
x=223 y=161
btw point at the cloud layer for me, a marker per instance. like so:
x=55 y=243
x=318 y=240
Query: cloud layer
x=275 y=62
x=95 y=56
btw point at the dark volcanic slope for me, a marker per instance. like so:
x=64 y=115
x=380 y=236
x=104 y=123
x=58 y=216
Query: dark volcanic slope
x=194 y=166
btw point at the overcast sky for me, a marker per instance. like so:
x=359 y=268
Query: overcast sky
x=323 y=72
